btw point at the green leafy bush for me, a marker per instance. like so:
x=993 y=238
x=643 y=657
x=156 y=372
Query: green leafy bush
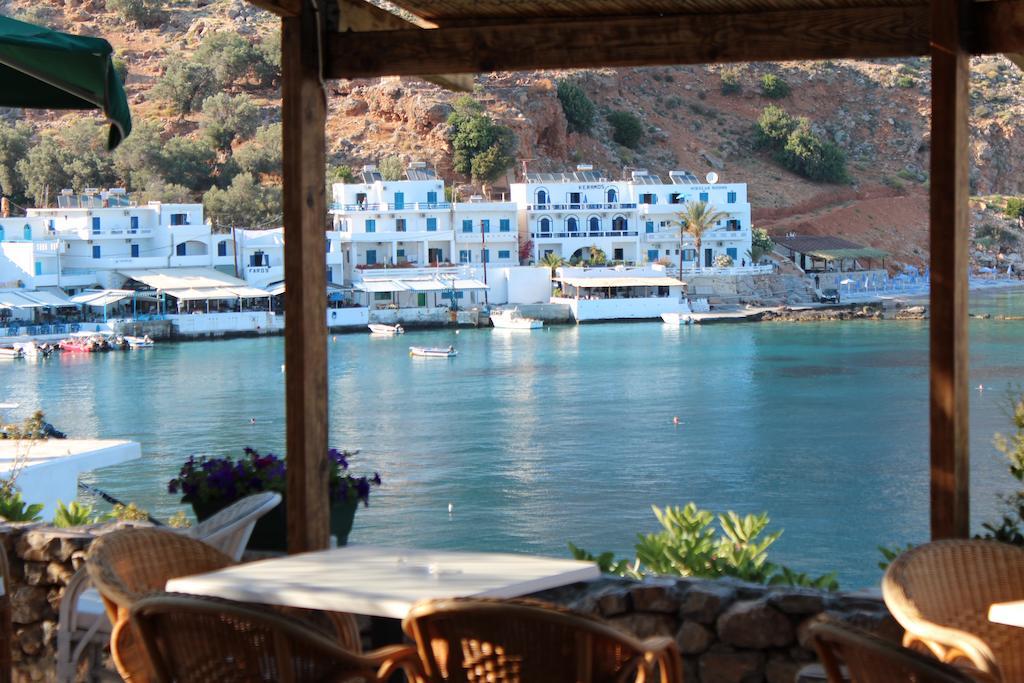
x=760 y=245
x=730 y=81
x=481 y=148
x=905 y=82
x=142 y=12
x=578 y=109
x=185 y=85
x=243 y=203
x=74 y=514
x=14 y=509
x=262 y=154
x=227 y=118
x=392 y=168
x=688 y=545
x=774 y=87
x=774 y=126
x=343 y=174
x=15 y=142
x=1014 y=207
x=627 y=129
x=810 y=156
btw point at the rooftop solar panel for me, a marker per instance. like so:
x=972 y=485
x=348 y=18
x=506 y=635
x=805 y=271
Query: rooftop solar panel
x=420 y=174
x=371 y=176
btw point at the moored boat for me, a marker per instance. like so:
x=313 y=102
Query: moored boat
x=143 y=342
x=512 y=319
x=433 y=351
x=676 y=318
x=380 y=328
x=8 y=352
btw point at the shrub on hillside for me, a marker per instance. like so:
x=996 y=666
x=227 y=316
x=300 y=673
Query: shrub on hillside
x=773 y=87
x=730 y=81
x=244 y=203
x=262 y=154
x=190 y=163
x=391 y=168
x=142 y=12
x=233 y=58
x=774 y=126
x=15 y=142
x=481 y=148
x=139 y=159
x=810 y=156
x=185 y=85
x=578 y=109
x=627 y=130
x=342 y=174
x=120 y=67
x=227 y=118
x=1014 y=207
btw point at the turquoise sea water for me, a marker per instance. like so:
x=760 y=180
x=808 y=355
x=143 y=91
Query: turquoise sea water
x=566 y=434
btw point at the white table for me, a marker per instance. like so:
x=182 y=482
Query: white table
x=383 y=582
x=50 y=468
x=1009 y=613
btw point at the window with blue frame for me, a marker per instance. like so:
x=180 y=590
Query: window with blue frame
x=504 y=254
x=135 y=250
x=504 y=225
x=179 y=219
x=400 y=253
x=465 y=256
x=371 y=225
x=1 y=234
x=571 y=225
x=39 y=268
x=485 y=225
x=432 y=224
x=399 y=200
x=431 y=198
x=371 y=257
x=595 y=224
x=689 y=254
x=180 y=249
x=400 y=224
x=704 y=197
x=134 y=223
x=95 y=225
x=652 y=254
x=467 y=225
x=95 y=251
x=649 y=226
x=730 y=198
x=382 y=296
x=731 y=251
x=545 y=225
x=28 y=233
x=448 y=294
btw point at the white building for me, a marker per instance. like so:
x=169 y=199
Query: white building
x=91 y=236
x=380 y=223
x=634 y=221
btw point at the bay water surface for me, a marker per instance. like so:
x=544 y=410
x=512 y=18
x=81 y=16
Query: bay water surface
x=566 y=434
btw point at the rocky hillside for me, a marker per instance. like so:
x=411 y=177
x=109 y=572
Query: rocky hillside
x=876 y=112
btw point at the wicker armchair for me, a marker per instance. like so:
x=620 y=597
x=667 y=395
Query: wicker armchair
x=83 y=623
x=940 y=593
x=471 y=640
x=870 y=659
x=127 y=565
x=193 y=639
x=6 y=628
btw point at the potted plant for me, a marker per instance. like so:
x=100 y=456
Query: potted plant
x=210 y=484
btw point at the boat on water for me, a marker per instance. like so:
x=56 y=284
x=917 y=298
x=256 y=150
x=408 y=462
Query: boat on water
x=433 y=351
x=31 y=349
x=676 y=318
x=380 y=328
x=10 y=352
x=512 y=319
x=143 y=342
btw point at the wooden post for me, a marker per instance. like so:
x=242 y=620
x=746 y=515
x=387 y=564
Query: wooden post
x=949 y=243
x=304 y=115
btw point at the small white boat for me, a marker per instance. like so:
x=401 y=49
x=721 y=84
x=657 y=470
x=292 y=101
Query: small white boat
x=433 y=351
x=8 y=352
x=676 y=318
x=143 y=342
x=379 y=328
x=512 y=319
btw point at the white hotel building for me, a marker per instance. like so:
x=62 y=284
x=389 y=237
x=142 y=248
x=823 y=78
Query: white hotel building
x=633 y=221
x=408 y=223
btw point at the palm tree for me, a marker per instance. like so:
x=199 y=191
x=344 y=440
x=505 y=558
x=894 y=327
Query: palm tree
x=552 y=261
x=696 y=218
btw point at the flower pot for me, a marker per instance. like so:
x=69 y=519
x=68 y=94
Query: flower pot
x=271 y=531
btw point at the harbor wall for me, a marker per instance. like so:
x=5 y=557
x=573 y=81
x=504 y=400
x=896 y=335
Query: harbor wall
x=769 y=289
x=648 y=308
x=220 y=324
x=727 y=631
x=348 y=318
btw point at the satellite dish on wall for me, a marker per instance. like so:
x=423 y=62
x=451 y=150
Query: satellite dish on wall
x=712 y=178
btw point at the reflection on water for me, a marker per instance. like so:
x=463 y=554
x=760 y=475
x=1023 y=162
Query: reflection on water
x=567 y=433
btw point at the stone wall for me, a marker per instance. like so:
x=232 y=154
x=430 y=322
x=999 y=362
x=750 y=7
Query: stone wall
x=772 y=289
x=727 y=631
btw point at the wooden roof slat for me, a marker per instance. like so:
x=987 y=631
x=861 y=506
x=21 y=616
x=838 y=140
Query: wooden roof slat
x=635 y=41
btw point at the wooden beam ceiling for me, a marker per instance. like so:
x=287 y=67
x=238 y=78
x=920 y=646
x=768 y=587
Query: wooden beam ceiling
x=854 y=33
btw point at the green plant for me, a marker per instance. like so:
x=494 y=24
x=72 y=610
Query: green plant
x=890 y=553
x=481 y=148
x=808 y=155
x=1014 y=207
x=773 y=127
x=179 y=520
x=344 y=174
x=74 y=514
x=774 y=87
x=760 y=245
x=244 y=202
x=905 y=82
x=577 y=107
x=142 y=12
x=227 y=118
x=695 y=219
x=627 y=129
x=392 y=168
x=185 y=85
x=552 y=261
x=14 y=509
x=597 y=256
x=730 y=81
x=688 y=545
x=129 y=513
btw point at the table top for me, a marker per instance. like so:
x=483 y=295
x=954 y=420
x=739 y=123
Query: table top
x=1009 y=613
x=80 y=455
x=383 y=582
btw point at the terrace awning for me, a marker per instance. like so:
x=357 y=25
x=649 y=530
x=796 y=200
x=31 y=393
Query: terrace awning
x=465 y=285
x=15 y=300
x=838 y=254
x=43 y=69
x=381 y=286
x=102 y=298
x=664 y=281
x=426 y=285
x=216 y=293
x=46 y=298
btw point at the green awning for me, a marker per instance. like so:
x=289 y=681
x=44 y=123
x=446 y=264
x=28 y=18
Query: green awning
x=44 y=69
x=837 y=254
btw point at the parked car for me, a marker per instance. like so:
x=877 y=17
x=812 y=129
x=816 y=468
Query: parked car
x=829 y=296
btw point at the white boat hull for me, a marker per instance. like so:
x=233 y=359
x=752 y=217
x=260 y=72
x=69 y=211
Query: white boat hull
x=676 y=318
x=512 y=320
x=11 y=353
x=377 y=328
x=139 y=342
x=430 y=352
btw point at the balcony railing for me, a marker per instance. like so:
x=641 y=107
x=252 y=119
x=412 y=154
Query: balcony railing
x=585 y=206
x=585 y=235
x=391 y=206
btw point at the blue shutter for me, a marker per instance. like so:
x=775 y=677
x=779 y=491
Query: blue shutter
x=431 y=198
x=371 y=225
x=135 y=250
x=485 y=256
x=650 y=226
x=39 y=268
x=28 y=233
x=467 y=225
x=95 y=251
x=652 y=255
x=704 y=196
x=485 y=225
x=731 y=198
x=95 y=225
x=135 y=223
x=431 y=224
x=731 y=251
x=222 y=248
x=371 y=257
x=180 y=249
x=504 y=225
x=504 y=253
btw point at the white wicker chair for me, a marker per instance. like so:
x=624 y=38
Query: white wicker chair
x=83 y=620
